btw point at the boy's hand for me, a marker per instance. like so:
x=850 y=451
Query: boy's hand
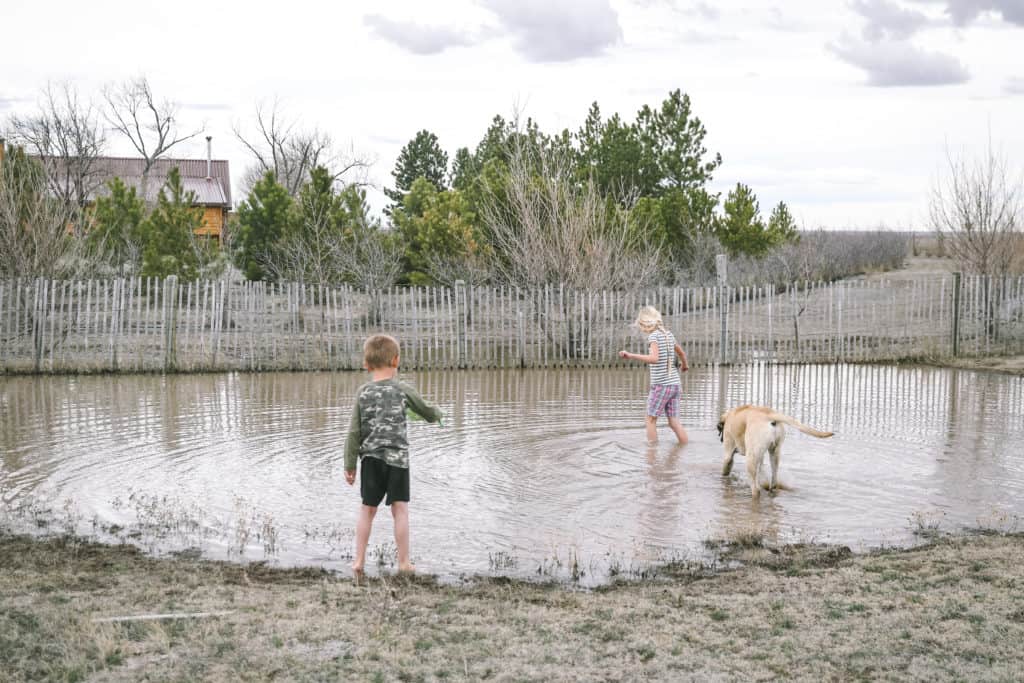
x=350 y=476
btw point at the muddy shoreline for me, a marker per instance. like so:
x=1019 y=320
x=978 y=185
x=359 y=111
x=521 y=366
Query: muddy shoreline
x=950 y=609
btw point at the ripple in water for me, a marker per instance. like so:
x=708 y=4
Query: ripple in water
x=533 y=470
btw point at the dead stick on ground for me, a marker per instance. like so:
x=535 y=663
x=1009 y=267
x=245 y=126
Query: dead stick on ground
x=153 y=617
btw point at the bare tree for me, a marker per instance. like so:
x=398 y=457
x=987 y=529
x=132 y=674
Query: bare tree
x=66 y=136
x=977 y=208
x=291 y=153
x=34 y=237
x=322 y=254
x=548 y=228
x=700 y=268
x=473 y=269
x=370 y=259
x=150 y=125
x=307 y=253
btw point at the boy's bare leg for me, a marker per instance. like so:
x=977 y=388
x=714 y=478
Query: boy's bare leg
x=363 y=526
x=400 y=513
x=652 y=429
x=677 y=427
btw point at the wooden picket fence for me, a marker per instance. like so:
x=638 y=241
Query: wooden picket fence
x=163 y=325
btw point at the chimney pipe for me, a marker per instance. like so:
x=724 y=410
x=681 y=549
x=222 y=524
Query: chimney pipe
x=209 y=157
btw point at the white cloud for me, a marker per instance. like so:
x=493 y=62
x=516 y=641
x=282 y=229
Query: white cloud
x=414 y=37
x=703 y=9
x=964 y=12
x=784 y=22
x=887 y=19
x=548 y=31
x=1014 y=86
x=890 y=63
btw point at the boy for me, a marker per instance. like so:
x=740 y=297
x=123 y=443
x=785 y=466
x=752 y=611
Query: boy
x=377 y=436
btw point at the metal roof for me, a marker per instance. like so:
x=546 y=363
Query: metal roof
x=213 y=192
x=193 y=176
x=207 y=192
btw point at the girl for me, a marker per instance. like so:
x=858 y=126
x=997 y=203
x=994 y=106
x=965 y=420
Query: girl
x=663 y=398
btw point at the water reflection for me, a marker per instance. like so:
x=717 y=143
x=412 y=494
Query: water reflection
x=534 y=464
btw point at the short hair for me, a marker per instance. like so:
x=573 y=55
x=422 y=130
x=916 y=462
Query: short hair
x=379 y=350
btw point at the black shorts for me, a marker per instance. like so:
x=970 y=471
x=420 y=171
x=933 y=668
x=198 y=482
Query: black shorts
x=379 y=478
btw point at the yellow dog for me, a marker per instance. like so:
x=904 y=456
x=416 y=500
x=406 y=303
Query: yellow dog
x=752 y=431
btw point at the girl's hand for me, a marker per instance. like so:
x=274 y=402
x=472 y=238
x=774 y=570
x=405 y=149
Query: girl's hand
x=623 y=354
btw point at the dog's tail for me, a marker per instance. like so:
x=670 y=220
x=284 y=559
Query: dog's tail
x=779 y=417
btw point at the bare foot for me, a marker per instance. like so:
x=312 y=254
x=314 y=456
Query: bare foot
x=357 y=567
x=407 y=568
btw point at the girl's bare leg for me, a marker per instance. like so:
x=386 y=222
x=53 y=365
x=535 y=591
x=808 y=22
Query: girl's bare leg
x=363 y=526
x=652 y=429
x=677 y=427
x=400 y=513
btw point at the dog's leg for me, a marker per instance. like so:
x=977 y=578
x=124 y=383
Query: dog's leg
x=730 y=451
x=775 y=453
x=754 y=458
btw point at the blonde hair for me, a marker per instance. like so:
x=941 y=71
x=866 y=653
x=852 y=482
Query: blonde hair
x=379 y=351
x=649 y=319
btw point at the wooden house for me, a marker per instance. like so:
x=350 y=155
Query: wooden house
x=209 y=180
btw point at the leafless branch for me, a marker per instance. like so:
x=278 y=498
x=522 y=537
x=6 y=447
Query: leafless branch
x=546 y=228
x=66 y=137
x=370 y=260
x=978 y=208
x=34 y=237
x=150 y=125
x=445 y=269
x=291 y=153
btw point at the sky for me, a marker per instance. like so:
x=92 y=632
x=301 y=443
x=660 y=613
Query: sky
x=845 y=109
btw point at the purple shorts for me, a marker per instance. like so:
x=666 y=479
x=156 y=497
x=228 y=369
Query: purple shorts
x=663 y=400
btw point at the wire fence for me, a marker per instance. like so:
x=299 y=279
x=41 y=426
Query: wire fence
x=145 y=324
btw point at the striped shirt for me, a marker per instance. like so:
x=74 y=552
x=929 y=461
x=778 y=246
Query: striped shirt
x=663 y=371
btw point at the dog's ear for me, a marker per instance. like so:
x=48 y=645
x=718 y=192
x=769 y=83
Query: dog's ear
x=721 y=430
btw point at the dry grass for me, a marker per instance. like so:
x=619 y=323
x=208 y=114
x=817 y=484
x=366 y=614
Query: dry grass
x=950 y=610
x=1013 y=365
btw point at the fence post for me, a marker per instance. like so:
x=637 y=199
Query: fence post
x=170 y=299
x=721 y=262
x=796 y=321
x=460 y=321
x=956 y=314
x=38 y=307
x=522 y=338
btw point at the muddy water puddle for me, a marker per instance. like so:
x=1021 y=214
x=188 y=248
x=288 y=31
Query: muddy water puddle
x=535 y=473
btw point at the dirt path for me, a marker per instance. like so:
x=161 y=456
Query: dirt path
x=951 y=610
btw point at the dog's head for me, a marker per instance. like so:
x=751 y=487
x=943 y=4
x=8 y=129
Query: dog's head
x=721 y=424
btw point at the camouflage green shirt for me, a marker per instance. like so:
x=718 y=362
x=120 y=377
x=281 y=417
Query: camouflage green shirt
x=378 y=422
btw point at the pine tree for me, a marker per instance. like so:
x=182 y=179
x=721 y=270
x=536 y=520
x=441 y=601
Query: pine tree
x=422 y=157
x=263 y=217
x=169 y=233
x=118 y=226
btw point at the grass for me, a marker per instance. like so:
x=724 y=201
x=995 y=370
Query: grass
x=953 y=609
